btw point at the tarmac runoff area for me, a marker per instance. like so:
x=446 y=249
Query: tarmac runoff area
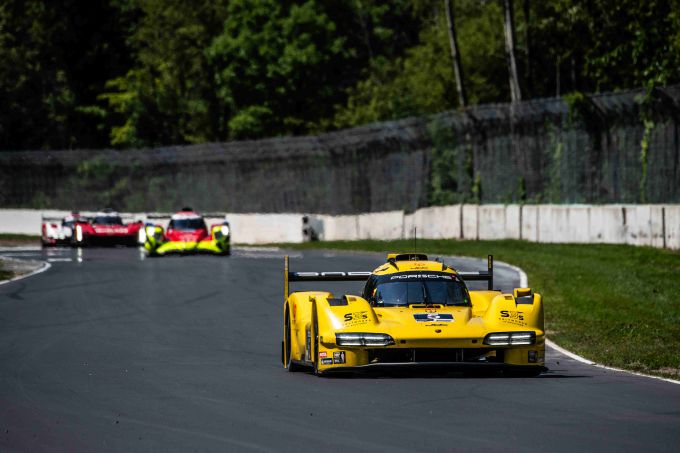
x=109 y=351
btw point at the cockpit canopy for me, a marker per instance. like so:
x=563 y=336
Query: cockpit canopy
x=406 y=288
x=107 y=219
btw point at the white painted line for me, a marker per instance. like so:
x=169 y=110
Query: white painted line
x=45 y=266
x=524 y=283
x=55 y=260
x=591 y=363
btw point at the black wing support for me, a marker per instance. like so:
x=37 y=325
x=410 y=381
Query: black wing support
x=289 y=276
x=481 y=275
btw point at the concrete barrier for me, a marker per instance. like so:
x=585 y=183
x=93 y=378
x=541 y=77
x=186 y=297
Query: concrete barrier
x=492 y=222
x=530 y=223
x=513 y=221
x=470 y=221
x=553 y=223
x=265 y=228
x=339 y=228
x=437 y=222
x=645 y=225
x=672 y=226
x=381 y=225
x=607 y=225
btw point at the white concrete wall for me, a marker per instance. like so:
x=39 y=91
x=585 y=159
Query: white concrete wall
x=381 y=225
x=492 y=221
x=606 y=225
x=643 y=225
x=340 y=228
x=265 y=228
x=437 y=222
x=672 y=215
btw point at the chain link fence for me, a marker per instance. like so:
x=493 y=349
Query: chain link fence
x=608 y=148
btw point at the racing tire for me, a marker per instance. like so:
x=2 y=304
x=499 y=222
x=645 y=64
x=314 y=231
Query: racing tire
x=286 y=348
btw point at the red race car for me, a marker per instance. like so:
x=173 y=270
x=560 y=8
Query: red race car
x=105 y=228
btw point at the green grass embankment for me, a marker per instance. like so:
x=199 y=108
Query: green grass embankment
x=614 y=304
x=4 y=274
x=9 y=240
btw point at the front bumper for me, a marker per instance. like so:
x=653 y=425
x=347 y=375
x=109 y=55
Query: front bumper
x=436 y=367
x=525 y=357
x=187 y=248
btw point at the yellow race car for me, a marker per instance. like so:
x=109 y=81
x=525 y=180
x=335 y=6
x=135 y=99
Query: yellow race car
x=413 y=312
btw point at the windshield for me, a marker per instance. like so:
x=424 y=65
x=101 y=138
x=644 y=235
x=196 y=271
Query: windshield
x=406 y=289
x=108 y=220
x=195 y=223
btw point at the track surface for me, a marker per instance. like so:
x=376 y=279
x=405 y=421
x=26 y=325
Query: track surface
x=109 y=352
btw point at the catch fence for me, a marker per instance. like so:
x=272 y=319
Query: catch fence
x=606 y=148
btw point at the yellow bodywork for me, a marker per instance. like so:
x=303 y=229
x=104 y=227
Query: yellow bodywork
x=313 y=318
x=154 y=243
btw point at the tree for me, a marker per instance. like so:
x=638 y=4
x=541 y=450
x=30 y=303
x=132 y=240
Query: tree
x=455 y=53
x=56 y=58
x=509 y=29
x=168 y=96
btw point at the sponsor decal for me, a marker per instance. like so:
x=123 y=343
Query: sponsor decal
x=356 y=318
x=323 y=354
x=421 y=276
x=512 y=317
x=433 y=317
x=339 y=357
x=327 y=361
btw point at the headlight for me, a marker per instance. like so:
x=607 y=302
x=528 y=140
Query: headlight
x=142 y=236
x=510 y=338
x=363 y=339
x=225 y=230
x=79 y=233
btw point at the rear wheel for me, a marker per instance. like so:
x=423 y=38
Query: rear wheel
x=286 y=346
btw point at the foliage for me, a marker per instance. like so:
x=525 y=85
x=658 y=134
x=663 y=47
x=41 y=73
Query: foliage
x=136 y=73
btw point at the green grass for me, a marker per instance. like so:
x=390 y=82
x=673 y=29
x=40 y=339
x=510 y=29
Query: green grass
x=4 y=275
x=10 y=237
x=617 y=305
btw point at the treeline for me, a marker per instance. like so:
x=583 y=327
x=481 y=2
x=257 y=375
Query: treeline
x=137 y=73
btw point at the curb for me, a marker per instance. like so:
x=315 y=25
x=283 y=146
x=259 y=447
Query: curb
x=524 y=282
x=43 y=268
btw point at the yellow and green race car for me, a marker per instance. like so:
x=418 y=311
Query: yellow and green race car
x=413 y=312
x=187 y=233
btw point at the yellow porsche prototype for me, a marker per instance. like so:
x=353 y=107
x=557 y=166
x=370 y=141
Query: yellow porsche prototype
x=413 y=312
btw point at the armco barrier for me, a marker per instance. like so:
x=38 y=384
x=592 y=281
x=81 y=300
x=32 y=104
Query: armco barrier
x=642 y=225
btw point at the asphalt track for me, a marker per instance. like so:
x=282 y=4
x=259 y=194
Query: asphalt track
x=109 y=352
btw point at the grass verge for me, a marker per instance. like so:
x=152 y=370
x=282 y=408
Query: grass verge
x=4 y=274
x=7 y=239
x=614 y=304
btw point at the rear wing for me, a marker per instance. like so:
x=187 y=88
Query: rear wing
x=289 y=276
x=481 y=275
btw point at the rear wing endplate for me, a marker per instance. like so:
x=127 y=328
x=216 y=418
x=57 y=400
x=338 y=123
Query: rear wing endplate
x=481 y=275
